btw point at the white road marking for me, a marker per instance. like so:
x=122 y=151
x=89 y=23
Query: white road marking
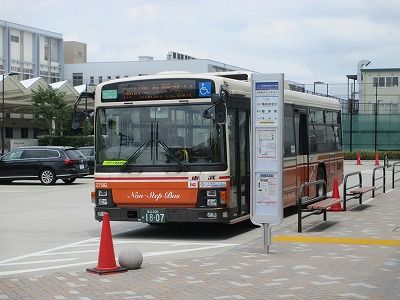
x=67 y=252
x=43 y=251
x=148 y=254
x=37 y=262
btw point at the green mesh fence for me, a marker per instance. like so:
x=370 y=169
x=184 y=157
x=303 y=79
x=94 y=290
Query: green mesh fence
x=363 y=132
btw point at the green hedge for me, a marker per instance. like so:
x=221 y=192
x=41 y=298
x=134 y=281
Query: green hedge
x=370 y=155
x=74 y=141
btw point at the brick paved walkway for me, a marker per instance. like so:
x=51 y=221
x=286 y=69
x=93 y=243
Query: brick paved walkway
x=354 y=255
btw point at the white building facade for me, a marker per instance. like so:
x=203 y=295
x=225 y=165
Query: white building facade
x=98 y=72
x=381 y=90
x=31 y=52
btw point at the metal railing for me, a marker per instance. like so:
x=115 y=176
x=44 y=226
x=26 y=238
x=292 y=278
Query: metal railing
x=394 y=172
x=374 y=179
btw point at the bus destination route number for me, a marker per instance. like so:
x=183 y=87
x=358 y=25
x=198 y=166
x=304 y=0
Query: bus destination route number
x=153 y=216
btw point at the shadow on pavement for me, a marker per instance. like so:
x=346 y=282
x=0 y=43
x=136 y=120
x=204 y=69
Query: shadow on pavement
x=189 y=231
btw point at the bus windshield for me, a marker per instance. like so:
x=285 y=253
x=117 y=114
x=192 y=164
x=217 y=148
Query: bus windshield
x=175 y=136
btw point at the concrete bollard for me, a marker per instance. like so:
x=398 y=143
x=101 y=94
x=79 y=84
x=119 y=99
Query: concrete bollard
x=130 y=258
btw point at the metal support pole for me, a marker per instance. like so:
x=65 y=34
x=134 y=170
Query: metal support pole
x=266 y=237
x=3 y=111
x=2 y=117
x=376 y=117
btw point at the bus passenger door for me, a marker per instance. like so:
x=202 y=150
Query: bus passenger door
x=300 y=123
x=239 y=161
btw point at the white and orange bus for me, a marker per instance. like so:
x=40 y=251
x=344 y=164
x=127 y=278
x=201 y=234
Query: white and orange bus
x=175 y=147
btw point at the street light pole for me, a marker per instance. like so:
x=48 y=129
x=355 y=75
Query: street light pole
x=3 y=111
x=376 y=116
x=320 y=82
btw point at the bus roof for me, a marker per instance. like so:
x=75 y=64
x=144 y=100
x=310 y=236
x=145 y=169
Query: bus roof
x=239 y=86
x=311 y=100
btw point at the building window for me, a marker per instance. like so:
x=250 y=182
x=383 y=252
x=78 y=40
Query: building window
x=46 y=49
x=92 y=79
x=9 y=133
x=100 y=79
x=24 y=133
x=54 y=50
x=77 y=79
x=385 y=81
x=14 y=38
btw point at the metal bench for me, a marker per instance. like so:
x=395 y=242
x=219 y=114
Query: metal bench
x=358 y=190
x=314 y=206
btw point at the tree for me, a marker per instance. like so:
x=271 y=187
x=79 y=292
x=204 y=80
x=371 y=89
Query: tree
x=87 y=127
x=54 y=113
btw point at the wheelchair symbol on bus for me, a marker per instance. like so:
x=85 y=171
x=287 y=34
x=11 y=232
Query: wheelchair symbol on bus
x=205 y=89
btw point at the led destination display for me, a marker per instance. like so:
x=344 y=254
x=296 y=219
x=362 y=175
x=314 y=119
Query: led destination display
x=160 y=89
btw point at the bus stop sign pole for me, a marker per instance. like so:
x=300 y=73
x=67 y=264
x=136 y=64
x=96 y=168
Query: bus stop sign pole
x=267 y=111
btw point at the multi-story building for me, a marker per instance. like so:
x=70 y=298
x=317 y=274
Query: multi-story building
x=31 y=52
x=381 y=90
x=75 y=52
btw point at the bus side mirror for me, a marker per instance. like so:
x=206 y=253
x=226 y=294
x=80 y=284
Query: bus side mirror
x=215 y=98
x=75 y=123
x=220 y=113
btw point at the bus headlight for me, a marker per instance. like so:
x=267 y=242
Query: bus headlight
x=212 y=202
x=103 y=201
x=102 y=193
x=211 y=193
x=104 y=197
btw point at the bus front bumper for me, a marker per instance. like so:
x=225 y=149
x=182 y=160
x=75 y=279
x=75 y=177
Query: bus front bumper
x=170 y=215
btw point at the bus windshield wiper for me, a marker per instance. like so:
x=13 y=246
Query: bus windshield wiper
x=137 y=153
x=171 y=155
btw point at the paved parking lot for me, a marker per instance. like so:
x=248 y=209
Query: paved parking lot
x=354 y=255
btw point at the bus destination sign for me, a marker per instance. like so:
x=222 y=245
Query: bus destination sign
x=160 y=89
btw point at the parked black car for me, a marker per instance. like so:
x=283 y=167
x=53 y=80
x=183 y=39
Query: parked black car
x=46 y=163
x=88 y=151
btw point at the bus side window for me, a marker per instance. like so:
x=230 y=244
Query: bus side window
x=312 y=138
x=289 y=145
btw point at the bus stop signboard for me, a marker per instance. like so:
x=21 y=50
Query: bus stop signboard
x=267 y=151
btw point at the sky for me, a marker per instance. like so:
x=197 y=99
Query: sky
x=308 y=40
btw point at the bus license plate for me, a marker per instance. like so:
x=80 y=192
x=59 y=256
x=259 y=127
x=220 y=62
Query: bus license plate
x=153 y=216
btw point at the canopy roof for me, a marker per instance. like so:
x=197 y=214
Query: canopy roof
x=18 y=94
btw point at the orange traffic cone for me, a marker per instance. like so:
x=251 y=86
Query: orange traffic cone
x=377 y=159
x=335 y=195
x=358 y=159
x=106 y=262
